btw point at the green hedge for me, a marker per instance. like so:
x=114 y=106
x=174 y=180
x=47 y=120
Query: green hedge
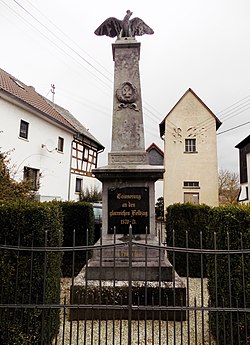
x=184 y=224
x=26 y=276
x=77 y=216
x=229 y=275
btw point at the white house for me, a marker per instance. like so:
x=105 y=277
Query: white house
x=244 y=159
x=46 y=143
x=190 y=152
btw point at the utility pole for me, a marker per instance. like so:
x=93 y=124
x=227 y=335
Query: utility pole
x=53 y=92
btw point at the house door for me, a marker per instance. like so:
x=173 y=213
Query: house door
x=192 y=198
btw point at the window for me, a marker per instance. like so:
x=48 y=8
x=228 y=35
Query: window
x=190 y=145
x=85 y=154
x=192 y=198
x=97 y=208
x=60 y=144
x=32 y=176
x=191 y=184
x=24 y=129
x=78 y=185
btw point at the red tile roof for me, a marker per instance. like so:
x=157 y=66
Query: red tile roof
x=27 y=94
x=153 y=146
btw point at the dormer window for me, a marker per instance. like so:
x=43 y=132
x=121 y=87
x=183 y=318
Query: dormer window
x=17 y=83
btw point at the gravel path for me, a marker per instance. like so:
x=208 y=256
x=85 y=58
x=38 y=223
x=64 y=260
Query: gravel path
x=143 y=332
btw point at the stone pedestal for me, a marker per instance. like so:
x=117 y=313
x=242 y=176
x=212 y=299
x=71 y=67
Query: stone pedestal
x=147 y=263
x=149 y=301
x=128 y=273
x=129 y=190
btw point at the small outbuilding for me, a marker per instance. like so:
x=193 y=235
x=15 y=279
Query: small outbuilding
x=190 y=152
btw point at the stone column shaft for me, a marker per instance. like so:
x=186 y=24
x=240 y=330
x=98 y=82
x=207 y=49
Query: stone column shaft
x=127 y=144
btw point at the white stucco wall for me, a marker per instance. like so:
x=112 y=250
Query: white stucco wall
x=54 y=166
x=87 y=182
x=190 y=119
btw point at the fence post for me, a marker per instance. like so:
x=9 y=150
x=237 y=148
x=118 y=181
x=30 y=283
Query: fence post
x=129 y=284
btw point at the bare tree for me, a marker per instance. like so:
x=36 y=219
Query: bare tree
x=229 y=187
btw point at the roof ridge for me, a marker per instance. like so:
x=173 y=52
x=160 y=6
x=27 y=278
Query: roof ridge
x=189 y=90
x=28 y=95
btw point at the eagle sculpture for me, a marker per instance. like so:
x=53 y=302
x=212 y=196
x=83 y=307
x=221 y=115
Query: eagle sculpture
x=123 y=28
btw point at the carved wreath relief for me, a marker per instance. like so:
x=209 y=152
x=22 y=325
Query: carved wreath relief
x=127 y=94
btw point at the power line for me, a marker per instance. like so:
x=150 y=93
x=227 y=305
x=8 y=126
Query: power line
x=232 y=128
x=70 y=38
x=230 y=112
x=222 y=111
x=86 y=102
x=55 y=44
x=227 y=113
x=211 y=124
x=67 y=45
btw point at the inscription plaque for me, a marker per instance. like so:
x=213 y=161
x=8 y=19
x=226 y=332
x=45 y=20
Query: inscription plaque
x=128 y=205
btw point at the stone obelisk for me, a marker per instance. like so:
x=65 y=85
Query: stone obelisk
x=128 y=187
x=128 y=180
x=127 y=128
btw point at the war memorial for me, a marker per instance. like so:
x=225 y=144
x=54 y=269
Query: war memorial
x=129 y=264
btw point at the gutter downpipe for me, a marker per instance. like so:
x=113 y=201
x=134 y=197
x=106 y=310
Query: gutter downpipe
x=70 y=160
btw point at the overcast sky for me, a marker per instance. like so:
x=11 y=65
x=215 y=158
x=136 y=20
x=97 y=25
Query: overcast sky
x=198 y=44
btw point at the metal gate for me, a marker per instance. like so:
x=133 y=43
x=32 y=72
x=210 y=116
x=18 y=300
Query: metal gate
x=199 y=318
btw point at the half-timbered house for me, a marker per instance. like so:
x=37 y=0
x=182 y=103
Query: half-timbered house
x=45 y=142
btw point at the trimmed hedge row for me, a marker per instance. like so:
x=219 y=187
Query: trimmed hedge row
x=78 y=217
x=27 y=276
x=223 y=228
x=184 y=224
x=229 y=275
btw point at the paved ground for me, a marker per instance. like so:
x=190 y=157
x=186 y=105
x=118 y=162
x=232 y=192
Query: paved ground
x=194 y=331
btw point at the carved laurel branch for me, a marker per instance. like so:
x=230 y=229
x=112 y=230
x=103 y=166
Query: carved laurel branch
x=131 y=106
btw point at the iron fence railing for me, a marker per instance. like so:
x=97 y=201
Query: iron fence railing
x=201 y=309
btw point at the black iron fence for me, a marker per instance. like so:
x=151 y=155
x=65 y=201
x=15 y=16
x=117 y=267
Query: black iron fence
x=106 y=304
